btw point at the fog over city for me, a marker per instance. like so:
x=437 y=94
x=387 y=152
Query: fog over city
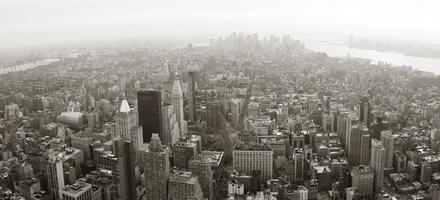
x=42 y=22
x=219 y=100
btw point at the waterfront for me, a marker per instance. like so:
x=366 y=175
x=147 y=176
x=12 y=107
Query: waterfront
x=27 y=66
x=338 y=49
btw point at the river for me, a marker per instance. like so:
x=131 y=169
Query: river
x=30 y=65
x=338 y=49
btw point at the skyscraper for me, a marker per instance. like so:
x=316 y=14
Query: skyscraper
x=178 y=106
x=170 y=127
x=186 y=148
x=126 y=125
x=328 y=120
x=344 y=128
x=150 y=113
x=55 y=176
x=192 y=96
x=124 y=150
x=212 y=111
x=386 y=137
x=359 y=145
x=362 y=178
x=364 y=158
x=184 y=185
x=365 y=111
x=377 y=164
x=298 y=174
x=156 y=169
x=236 y=105
x=77 y=191
x=201 y=167
x=249 y=158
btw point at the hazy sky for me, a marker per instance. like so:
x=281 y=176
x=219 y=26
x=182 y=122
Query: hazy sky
x=36 y=22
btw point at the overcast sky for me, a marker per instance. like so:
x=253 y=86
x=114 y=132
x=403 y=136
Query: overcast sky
x=39 y=22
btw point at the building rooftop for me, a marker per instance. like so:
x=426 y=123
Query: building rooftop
x=252 y=147
x=76 y=188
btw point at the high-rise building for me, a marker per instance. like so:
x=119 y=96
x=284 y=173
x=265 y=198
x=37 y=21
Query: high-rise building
x=178 y=106
x=184 y=185
x=364 y=158
x=124 y=150
x=386 y=137
x=365 y=111
x=399 y=162
x=236 y=105
x=362 y=178
x=425 y=173
x=77 y=191
x=150 y=113
x=328 y=120
x=201 y=167
x=12 y=112
x=213 y=109
x=127 y=125
x=298 y=174
x=249 y=158
x=344 y=128
x=171 y=132
x=192 y=96
x=412 y=169
x=55 y=176
x=29 y=187
x=186 y=148
x=377 y=163
x=359 y=145
x=156 y=159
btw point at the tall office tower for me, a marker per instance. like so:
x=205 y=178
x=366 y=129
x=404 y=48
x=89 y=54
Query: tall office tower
x=178 y=106
x=150 y=113
x=186 y=148
x=412 y=169
x=344 y=128
x=171 y=132
x=201 y=167
x=359 y=144
x=328 y=122
x=77 y=191
x=365 y=111
x=192 y=95
x=213 y=109
x=156 y=169
x=364 y=157
x=425 y=173
x=298 y=158
x=171 y=71
x=386 y=137
x=249 y=158
x=55 y=176
x=362 y=178
x=236 y=105
x=12 y=112
x=124 y=150
x=399 y=162
x=377 y=164
x=127 y=126
x=184 y=185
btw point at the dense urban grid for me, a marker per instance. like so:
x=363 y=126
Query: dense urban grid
x=243 y=117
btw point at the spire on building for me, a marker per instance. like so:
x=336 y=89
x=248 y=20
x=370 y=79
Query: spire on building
x=177 y=88
x=124 y=105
